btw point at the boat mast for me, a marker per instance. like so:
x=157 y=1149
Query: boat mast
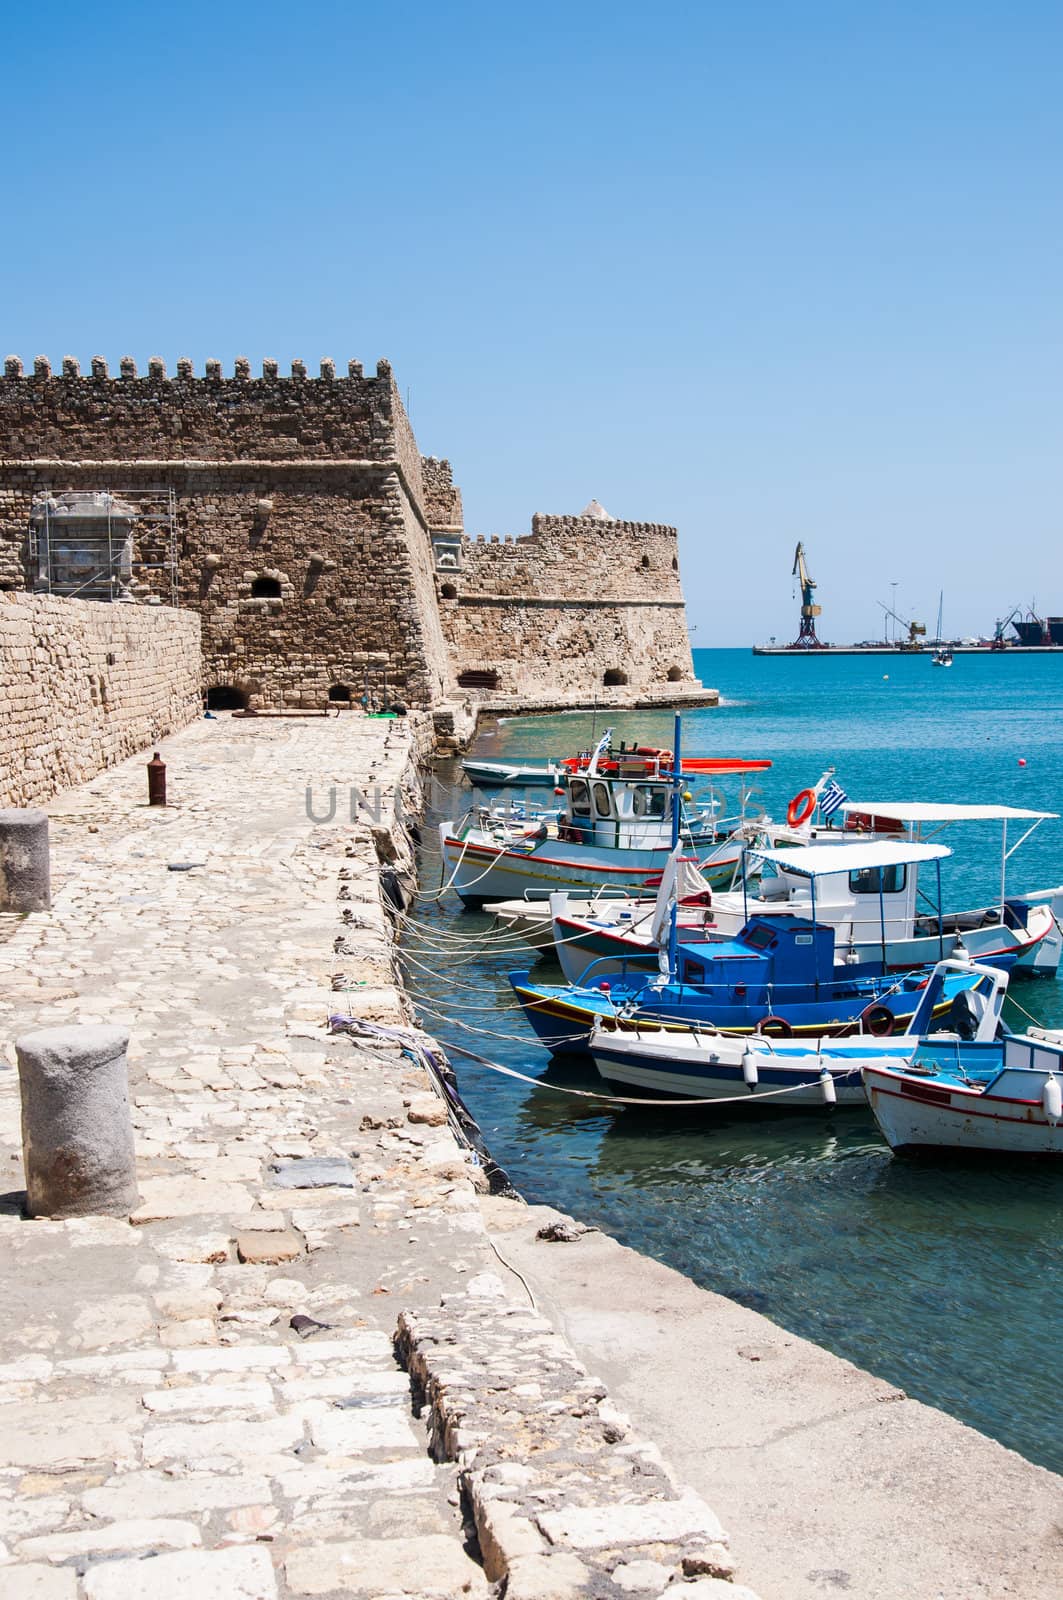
x=677 y=800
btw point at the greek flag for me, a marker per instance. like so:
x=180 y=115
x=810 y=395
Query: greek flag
x=832 y=797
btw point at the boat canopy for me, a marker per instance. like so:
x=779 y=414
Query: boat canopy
x=821 y=860
x=927 y=811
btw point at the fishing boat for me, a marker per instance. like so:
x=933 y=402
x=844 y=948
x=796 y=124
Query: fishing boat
x=942 y=657
x=778 y=1074
x=615 y=828
x=608 y=760
x=884 y=918
x=979 y=1090
x=510 y=775
x=926 y=820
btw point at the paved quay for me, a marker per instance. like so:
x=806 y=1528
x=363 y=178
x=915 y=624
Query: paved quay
x=299 y=1367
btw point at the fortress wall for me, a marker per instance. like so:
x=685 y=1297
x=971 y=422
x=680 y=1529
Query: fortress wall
x=85 y=684
x=312 y=486
x=442 y=497
x=575 y=600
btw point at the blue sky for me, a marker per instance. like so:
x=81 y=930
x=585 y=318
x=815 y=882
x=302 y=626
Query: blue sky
x=766 y=271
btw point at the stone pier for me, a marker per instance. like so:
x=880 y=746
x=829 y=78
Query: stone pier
x=207 y=1397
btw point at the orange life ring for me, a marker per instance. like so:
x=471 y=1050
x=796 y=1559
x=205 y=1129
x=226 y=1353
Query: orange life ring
x=774 y=1027
x=877 y=1020
x=801 y=807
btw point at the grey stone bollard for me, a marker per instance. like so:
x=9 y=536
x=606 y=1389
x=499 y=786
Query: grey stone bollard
x=25 y=880
x=77 y=1134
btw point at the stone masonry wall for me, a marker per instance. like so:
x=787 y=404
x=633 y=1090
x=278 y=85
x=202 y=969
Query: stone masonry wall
x=83 y=685
x=442 y=497
x=579 y=605
x=302 y=538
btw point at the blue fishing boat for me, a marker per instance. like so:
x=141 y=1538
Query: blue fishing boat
x=776 y=978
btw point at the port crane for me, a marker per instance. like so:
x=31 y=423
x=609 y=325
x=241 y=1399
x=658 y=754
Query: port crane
x=916 y=630
x=807 y=638
x=999 y=641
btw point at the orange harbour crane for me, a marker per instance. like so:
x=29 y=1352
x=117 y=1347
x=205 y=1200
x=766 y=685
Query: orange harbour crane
x=807 y=638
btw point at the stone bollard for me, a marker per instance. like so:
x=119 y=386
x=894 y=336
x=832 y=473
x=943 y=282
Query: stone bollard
x=77 y=1134
x=25 y=880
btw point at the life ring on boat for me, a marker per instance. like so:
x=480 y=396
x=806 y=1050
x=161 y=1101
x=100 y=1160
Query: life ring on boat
x=878 y=1020
x=774 y=1027
x=801 y=807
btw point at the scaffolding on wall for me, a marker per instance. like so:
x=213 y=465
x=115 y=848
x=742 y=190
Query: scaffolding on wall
x=82 y=544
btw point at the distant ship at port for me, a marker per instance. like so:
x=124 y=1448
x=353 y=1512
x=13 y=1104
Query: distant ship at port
x=1031 y=632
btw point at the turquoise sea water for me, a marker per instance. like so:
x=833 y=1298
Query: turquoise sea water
x=941 y=1278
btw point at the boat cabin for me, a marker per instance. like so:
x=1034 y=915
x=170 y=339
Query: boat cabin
x=871 y=890
x=769 y=952
x=620 y=813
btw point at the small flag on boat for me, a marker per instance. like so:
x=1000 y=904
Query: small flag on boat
x=832 y=797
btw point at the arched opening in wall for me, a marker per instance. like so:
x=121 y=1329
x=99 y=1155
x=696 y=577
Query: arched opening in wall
x=265 y=589
x=645 y=561
x=675 y=675
x=614 y=678
x=675 y=563
x=448 y=591
x=475 y=679
x=340 y=694
x=226 y=697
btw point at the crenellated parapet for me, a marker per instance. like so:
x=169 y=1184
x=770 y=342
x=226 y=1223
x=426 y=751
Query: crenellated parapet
x=147 y=413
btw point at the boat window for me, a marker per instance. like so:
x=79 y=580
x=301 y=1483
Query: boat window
x=650 y=802
x=581 y=798
x=876 y=880
x=759 y=937
x=601 y=800
x=693 y=972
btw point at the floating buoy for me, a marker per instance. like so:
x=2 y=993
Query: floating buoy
x=885 y=677
x=1052 y=1099
x=1022 y=761
x=830 y=1093
x=749 y=1068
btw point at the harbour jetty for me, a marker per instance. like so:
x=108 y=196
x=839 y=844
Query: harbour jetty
x=319 y=1356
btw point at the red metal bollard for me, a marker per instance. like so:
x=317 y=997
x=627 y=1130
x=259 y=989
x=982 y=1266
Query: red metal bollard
x=156 y=781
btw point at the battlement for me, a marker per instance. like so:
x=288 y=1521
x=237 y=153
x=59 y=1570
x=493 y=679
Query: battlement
x=596 y=528
x=99 y=372
x=71 y=415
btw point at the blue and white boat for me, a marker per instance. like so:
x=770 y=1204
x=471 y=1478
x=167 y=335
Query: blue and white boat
x=774 y=1074
x=978 y=1088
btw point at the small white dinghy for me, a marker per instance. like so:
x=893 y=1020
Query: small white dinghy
x=976 y=1088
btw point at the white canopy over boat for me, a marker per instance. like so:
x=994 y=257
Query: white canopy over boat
x=821 y=860
x=913 y=812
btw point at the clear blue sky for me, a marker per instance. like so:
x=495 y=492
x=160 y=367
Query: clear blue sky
x=766 y=271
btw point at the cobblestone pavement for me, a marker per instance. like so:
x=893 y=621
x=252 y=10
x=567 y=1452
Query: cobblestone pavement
x=205 y=1399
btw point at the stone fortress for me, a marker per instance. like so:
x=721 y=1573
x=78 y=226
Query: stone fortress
x=326 y=557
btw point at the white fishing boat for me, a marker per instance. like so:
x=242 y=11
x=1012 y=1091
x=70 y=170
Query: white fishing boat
x=978 y=1090
x=883 y=916
x=768 y=1072
x=615 y=828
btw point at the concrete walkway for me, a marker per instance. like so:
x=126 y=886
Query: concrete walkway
x=204 y=1399
x=832 y=1481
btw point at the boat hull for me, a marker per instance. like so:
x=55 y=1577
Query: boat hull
x=703 y=1067
x=479 y=870
x=563 y=1019
x=919 y=1115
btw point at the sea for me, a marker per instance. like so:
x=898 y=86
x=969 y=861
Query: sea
x=943 y=1278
